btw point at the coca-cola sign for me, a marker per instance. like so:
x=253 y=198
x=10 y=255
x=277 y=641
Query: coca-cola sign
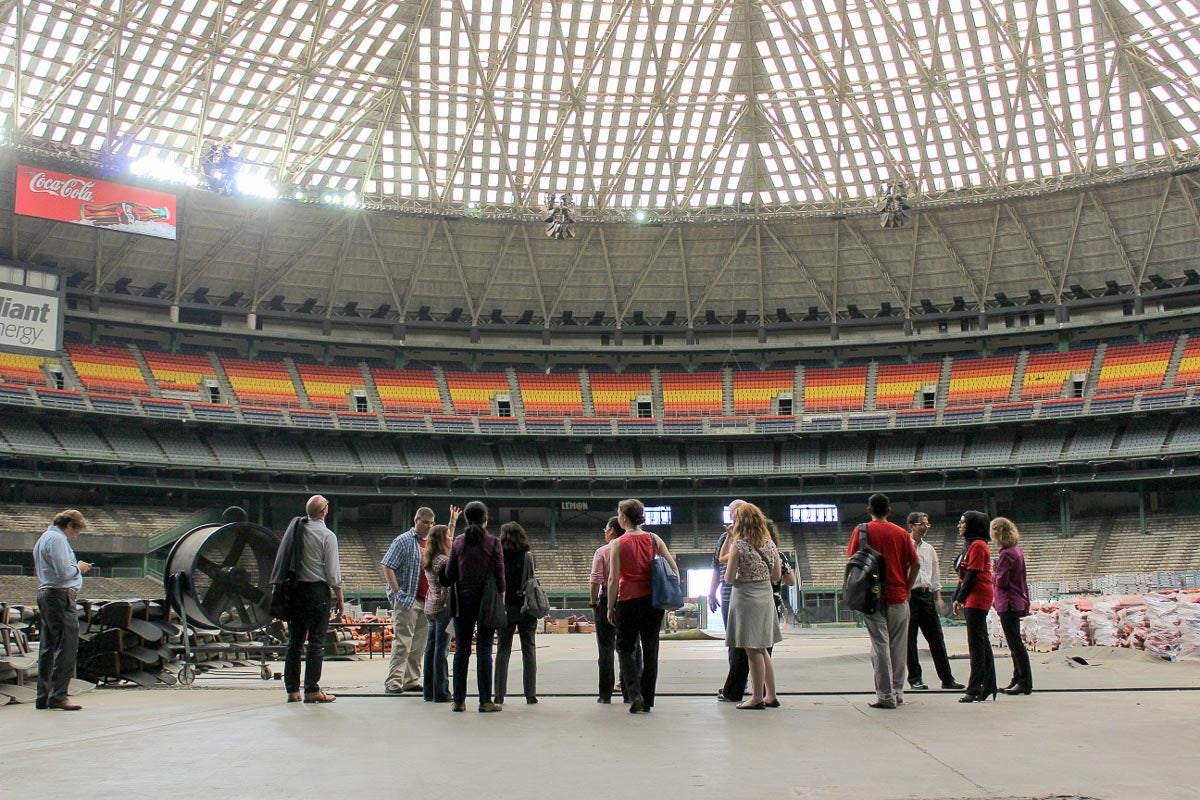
x=96 y=203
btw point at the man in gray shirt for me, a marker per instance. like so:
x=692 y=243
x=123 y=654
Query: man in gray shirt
x=308 y=616
x=60 y=577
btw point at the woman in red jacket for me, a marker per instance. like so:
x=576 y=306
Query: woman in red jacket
x=974 y=600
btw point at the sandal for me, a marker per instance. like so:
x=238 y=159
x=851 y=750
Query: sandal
x=759 y=706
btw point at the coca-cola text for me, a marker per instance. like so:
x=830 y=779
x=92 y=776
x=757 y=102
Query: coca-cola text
x=71 y=188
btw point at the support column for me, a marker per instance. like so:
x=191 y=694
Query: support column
x=1064 y=512
x=553 y=526
x=1141 y=507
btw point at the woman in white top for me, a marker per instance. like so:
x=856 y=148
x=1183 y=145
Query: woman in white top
x=752 y=565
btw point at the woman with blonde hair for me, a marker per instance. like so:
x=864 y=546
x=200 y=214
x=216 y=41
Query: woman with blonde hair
x=752 y=565
x=1012 y=601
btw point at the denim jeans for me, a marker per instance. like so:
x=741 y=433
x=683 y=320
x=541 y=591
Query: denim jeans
x=308 y=619
x=524 y=625
x=464 y=627
x=436 y=677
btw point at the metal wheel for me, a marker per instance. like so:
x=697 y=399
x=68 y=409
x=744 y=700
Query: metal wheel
x=265 y=672
x=187 y=675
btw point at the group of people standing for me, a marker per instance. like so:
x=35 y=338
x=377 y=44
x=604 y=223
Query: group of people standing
x=912 y=603
x=436 y=578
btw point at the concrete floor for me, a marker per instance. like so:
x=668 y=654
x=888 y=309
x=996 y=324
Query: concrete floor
x=1130 y=733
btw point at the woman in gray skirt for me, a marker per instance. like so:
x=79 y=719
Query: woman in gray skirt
x=752 y=565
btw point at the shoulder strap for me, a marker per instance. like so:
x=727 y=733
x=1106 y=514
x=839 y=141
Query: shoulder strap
x=864 y=535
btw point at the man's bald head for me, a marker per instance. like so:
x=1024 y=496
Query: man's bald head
x=316 y=507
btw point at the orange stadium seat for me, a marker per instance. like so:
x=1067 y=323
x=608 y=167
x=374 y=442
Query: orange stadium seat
x=835 y=389
x=551 y=395
x=180 y=373
x=691 y=393
x=16 y=368
x=1131 y=367
x=260 y=382
x=107 y=369
x=1046 y=373
x=896 y=385
x=408 y=391
x=330 y=387
x=1189 y=365
x=980 y=380
x=754 y=392
x=614 y=395
x=473 y=392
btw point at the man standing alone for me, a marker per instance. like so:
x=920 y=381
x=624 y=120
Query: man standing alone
x=407 y=586
x=319 y=571
x=888 y=626
x=925 y=604
x=60 y=577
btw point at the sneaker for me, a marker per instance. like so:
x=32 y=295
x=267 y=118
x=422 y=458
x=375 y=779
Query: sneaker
x=392 y=690
x=636 y=705
x=489 y=708
x=878 y=704
x=918 y=686
x=955 y=685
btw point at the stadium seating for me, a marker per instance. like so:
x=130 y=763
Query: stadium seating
x=330 y=386
x=688 y=393
x=556 y=395
x=475 y=392
x=1189 y=364
x=613 y=395
x=1047 y=373
x=754 y=393
x=980 y=380
x=107 y=369
x=16 y=368
x=835 y=389
x=179 y=372
x=261 y=382
x=409 y=391
x=1136 y=366
x=896 y=385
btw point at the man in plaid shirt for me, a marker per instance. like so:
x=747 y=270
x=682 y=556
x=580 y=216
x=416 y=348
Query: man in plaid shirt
x=407 y=586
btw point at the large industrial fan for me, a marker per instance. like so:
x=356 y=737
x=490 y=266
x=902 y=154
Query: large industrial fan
x=219 y=576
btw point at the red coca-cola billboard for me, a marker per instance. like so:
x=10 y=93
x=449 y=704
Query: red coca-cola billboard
x=89 y=201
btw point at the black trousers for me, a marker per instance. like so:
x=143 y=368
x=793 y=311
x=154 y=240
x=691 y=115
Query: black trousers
x=739 y=663
x=464 y=628
x=59 y=647
x=983 y=668
x=308 y=622
x=639 y=621
x=524 y=625
x=1010 y=621
x=606 y=651
x=923 y=617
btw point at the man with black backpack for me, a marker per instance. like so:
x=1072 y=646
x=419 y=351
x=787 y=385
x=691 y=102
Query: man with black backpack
x=887 y=618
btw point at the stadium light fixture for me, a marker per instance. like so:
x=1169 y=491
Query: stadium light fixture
x=1191 y=277
x=200 y=296
x=233 y=299
x=276 y=303
x=560 y=216
x=927 y=306
x=781 y=315
x=639 y=318
x=497 y=317
x=382 y=311
x=1112 y=288
x=76 y=278
x=307 y=306
x=813 y=315
x=220 y=168
x=568 y=317
x=455 y=314
x=893 y=205
x=959 y=304
x=597 y=318
x=163 y=170
x=122 y=286
x=423 y=314
x=668 y=319
x=1035 y=298
x=252 y=185
x=350 y=309
x=1078 y=292
x=1159 y=282
x=526 y=317
x=155 y=291
x=710 y=317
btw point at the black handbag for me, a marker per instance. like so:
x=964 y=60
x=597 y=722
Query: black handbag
x=284 y=593
x=492 y=613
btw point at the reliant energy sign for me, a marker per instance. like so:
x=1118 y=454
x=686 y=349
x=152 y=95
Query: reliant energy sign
x=30 y=321
x=88 y=201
